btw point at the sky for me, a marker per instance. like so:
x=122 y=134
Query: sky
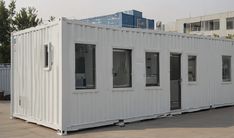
x=160 y=10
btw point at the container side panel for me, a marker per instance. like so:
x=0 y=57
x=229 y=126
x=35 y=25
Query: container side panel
x=87 y=107
x=36 y=87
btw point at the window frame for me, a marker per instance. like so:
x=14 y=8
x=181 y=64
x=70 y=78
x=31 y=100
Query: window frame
x=158 y=61
x=227 y=80
x=218 y=25
x=47 y=59
x=196 y=76
x=46 y=56
x=131 y=69
x=95 y=68
x=230 y=19
x=209 y=25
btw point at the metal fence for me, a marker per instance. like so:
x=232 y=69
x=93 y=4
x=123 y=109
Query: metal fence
x=5 y=78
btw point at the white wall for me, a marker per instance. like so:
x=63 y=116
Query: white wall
x=171 y=27
x=36 y=94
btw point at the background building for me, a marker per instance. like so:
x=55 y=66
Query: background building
x=130 y=19
x=220 y=24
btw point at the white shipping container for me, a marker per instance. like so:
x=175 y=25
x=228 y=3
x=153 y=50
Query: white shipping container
x=5 y=72
x=70 y=75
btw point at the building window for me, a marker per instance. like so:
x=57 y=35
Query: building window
x=152 y=68
x=46 y=56
x=216 y=25
x=230 y=23
x=187 y=28
x=192 y=68
x=85 y=66
x=226 y=68
x=122 y=68
x=210 y=25
x=203 y=25
x=196 y=26
x=190 y=27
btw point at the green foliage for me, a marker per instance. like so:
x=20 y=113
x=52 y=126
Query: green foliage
x=4 y=24
x=11 y=8
x=230 y=36
x=6 y=27
x=12 y=12
x=52 y=18
x=10 y=21
x=5 y=54
x=216 y=35
x=26 y=18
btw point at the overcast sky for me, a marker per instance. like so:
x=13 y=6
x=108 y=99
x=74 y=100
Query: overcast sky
x=163 y=10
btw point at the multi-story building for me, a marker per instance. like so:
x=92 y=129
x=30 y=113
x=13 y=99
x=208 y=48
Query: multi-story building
x=130 y=19
x=221 y=24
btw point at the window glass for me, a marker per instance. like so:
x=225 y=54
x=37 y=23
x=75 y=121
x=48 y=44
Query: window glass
x=152 y=69
x=122 y=67
x=226 y=68
x=210 y=25
x=216 y=25
x=192 y=75
x=46 y=56
x=230 y=23
x=85 y=66
x=189 y=27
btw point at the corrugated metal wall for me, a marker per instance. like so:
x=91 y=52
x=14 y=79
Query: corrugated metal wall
x=5 y=73
x=50 y=97
x=87 y=108
x=36 y=95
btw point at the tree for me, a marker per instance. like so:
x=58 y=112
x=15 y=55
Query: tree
x=11 y=21
x=4 y=25
x=12 y=12
x=5 y=54
x=230 y=36
x=52 y=18
x=5 y=33
x=26 y=18
x=216 y=35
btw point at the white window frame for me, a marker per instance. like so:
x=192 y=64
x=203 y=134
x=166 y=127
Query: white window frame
x=145 y=75
x=157 y=88
x=232 y=20
x=196 y=76
x=86 y=90
x=227 y=81
x=120 y=89
x=49 y=56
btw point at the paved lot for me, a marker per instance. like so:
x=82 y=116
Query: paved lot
x=218 y=123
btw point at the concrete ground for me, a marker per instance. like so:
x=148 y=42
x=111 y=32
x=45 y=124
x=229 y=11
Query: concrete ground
x=215 y=123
